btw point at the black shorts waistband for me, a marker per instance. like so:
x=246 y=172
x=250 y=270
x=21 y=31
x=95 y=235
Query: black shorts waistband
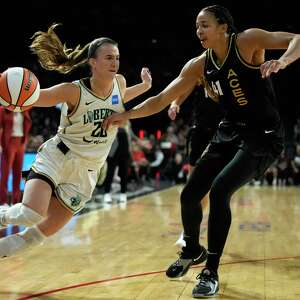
x=63 y=147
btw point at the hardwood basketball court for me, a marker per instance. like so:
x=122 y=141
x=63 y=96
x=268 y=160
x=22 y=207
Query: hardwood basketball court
x=121 y=252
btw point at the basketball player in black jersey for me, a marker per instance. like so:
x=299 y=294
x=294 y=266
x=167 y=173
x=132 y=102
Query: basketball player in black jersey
x=246 y=142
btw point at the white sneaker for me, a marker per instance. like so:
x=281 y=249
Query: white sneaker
x=3 y=210
x=123 y=197
x=107 y=198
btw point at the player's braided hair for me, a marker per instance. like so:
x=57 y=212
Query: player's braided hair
x=222 y=16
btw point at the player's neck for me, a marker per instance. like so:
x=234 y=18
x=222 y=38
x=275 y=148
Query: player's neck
x=222 y=49
x=101 y=88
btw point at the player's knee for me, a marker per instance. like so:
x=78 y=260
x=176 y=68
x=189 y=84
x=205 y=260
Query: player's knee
x=220 y=189
x=189 y=196
x=19 y=214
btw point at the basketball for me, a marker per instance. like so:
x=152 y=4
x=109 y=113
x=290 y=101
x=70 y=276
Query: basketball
x=19 y=89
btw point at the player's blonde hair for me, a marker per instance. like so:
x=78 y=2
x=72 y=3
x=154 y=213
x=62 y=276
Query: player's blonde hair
x=54 y=55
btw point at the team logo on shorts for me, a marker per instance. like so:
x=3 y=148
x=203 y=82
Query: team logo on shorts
x=75 y=201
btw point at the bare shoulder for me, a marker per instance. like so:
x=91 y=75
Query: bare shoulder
x=120 y=78
x=65 y=87
x=69 y=86
x=69 y=89
x=195 y=66
x=246 y=37
x=251 y=33
x=257 y=38
x=70 y=92
x=122 y=82
x=63 y=92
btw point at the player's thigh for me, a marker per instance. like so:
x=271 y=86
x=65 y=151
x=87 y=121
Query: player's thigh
x=58 y=216
x=240 y=170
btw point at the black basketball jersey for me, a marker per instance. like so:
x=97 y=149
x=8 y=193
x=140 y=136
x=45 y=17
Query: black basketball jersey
x=246 y=97
x=206 y=112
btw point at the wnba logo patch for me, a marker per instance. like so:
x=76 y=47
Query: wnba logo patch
x=115 y=99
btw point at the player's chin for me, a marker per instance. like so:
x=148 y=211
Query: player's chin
x=204 y=44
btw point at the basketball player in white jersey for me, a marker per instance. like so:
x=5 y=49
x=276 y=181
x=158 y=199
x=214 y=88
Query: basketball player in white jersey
x=65 y=172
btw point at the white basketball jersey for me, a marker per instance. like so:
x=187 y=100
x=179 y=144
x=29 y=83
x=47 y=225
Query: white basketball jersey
x=81 y=129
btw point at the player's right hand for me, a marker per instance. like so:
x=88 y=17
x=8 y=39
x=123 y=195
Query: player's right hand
x=116 y=119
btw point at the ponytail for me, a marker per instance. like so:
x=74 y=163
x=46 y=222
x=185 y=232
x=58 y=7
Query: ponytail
x=53 y=55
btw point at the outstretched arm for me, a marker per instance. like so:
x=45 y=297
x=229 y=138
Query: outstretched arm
x=186 y=81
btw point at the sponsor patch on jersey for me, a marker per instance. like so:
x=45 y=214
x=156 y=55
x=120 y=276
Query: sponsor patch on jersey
x=115 y=99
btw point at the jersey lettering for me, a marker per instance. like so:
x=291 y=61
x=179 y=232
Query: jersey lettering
x=99 y=131
x=96 y=114
x=216 y=86
x=236 y=89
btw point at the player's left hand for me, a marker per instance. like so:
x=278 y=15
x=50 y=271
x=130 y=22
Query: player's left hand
x=271 y=66
x=146 y=77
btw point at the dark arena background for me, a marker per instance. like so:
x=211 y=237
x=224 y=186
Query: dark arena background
x=157 y=34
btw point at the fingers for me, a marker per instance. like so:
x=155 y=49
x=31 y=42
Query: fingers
x=146 y=77
x=172 y=112
x=109 y=121
x=271 y=66
x=172 y=116
x=105 y=124
x=145 y=72
x=115 y=119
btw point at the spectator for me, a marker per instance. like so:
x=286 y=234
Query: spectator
x=14 y=133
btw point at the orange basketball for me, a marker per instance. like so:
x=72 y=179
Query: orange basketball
x=19 y=89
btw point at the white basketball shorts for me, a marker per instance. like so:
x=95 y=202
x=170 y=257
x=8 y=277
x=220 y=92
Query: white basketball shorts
x=73 y=177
